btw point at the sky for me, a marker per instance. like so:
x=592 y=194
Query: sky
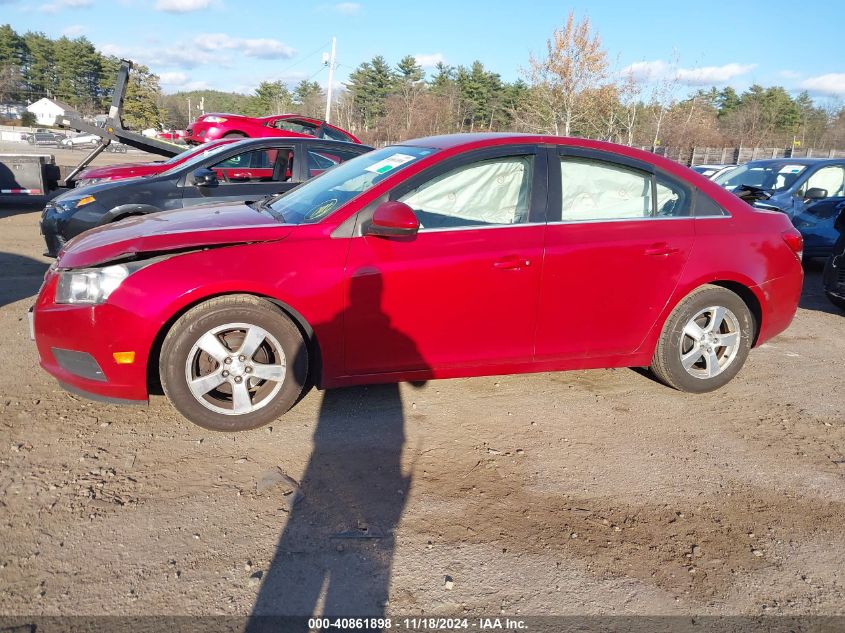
x=233 y=45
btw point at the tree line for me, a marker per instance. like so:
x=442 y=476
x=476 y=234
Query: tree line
x=569 y=88
x=74 y=72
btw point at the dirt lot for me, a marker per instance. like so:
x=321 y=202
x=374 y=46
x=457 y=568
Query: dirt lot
x=576 y=493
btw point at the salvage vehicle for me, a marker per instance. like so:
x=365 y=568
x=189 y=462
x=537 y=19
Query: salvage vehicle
x=461 y=255
x=81 y=140
x=808 y=190
x=712 y=171
x=834 y=270
x=250 y=169
x=213 y=126
x=121 y=171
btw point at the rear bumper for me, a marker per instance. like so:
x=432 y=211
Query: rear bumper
x=779 y=298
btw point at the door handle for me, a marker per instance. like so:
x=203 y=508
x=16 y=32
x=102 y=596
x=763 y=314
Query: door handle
x=661 y=248
x=511 y=263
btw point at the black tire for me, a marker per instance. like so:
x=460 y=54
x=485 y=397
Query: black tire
x=180 y=342
x=234 y=135
x=667 y=365
x=839 y=303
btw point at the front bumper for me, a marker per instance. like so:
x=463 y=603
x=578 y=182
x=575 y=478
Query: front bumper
x=76 y=345
x=53 y=224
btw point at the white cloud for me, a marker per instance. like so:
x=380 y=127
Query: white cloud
x=429 y=60
x=712 y=75
x=829 y=84
x=173 y=78
x=702 y=76
x=58 y=5
x=181 y=6
x=73 y=30
x=347 y=8
x=789 y=74
x=648 y=71
x=262 y=48
x=201 y=50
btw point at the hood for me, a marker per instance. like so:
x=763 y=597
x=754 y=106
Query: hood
x=122 y=171
x=182 y=229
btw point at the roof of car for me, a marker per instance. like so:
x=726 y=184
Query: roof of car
x=796 y=161
x=275 y=140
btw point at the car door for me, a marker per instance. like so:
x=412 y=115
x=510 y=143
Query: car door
x=462 y=291
x=247 y=174
x=618 y=237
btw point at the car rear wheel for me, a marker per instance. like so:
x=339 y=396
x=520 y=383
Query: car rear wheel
x=233 y=363
x=705 y=341
x=234 y=135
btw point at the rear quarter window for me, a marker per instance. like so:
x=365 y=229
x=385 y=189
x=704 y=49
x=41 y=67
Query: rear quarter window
x=706 y=207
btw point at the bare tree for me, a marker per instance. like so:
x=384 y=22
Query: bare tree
x=574 y=63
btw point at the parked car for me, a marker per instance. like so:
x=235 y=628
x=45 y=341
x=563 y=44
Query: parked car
x=247 y=170
x=712 y=171
x=106 y=173
x=448 y=256
x=45 y=138
x=81 y=140
x=116 y=148
x=834 y=270
x=213 y=126
x=172 y=135
x=808 y=190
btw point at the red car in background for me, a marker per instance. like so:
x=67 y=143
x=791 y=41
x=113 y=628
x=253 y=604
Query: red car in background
x=107 y=173
x=215 y=126
x=462 y=255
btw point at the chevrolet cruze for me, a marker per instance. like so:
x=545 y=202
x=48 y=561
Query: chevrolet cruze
x=448 y=256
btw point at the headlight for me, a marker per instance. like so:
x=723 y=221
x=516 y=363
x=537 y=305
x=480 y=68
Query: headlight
x=71 y=204
x=214 y=119
x=90 y=286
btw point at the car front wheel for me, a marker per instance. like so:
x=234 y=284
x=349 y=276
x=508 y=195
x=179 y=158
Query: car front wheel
x=233 y=363
x=705 y=341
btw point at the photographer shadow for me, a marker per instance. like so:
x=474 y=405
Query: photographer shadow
x=335 y=554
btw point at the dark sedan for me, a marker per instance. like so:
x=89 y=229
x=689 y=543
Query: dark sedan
x=247 y=170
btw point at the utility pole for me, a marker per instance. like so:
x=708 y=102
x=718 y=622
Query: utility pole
x=202 y=105
x=189 y=110
x=331 y=81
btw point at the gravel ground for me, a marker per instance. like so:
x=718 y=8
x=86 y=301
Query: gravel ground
x=589 y=492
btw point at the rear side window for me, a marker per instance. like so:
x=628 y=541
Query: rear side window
x=335 y=135
x=595 y=190
x=705 y=206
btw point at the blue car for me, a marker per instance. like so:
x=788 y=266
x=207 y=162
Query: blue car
x=811 y=191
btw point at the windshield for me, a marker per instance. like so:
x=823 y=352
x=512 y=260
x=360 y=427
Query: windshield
x=778 y=176
x=201 y=156
x=314 y=200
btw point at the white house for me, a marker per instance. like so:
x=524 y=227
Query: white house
x=46 y=110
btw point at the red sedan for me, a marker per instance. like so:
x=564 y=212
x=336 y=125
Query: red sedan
x=213 y=126
x=449 y=256
x=94 y=175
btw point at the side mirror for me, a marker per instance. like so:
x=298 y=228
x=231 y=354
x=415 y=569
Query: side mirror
x=204 y=178
x=393 y=219
x=815 y=193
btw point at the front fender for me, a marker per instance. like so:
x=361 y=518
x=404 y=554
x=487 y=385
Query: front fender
x=124 y=210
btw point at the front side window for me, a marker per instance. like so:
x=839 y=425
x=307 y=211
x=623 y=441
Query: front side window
x=261 y=165
x=317 y=199
x=488 y=192
x=831 y=179
x=292 y=125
